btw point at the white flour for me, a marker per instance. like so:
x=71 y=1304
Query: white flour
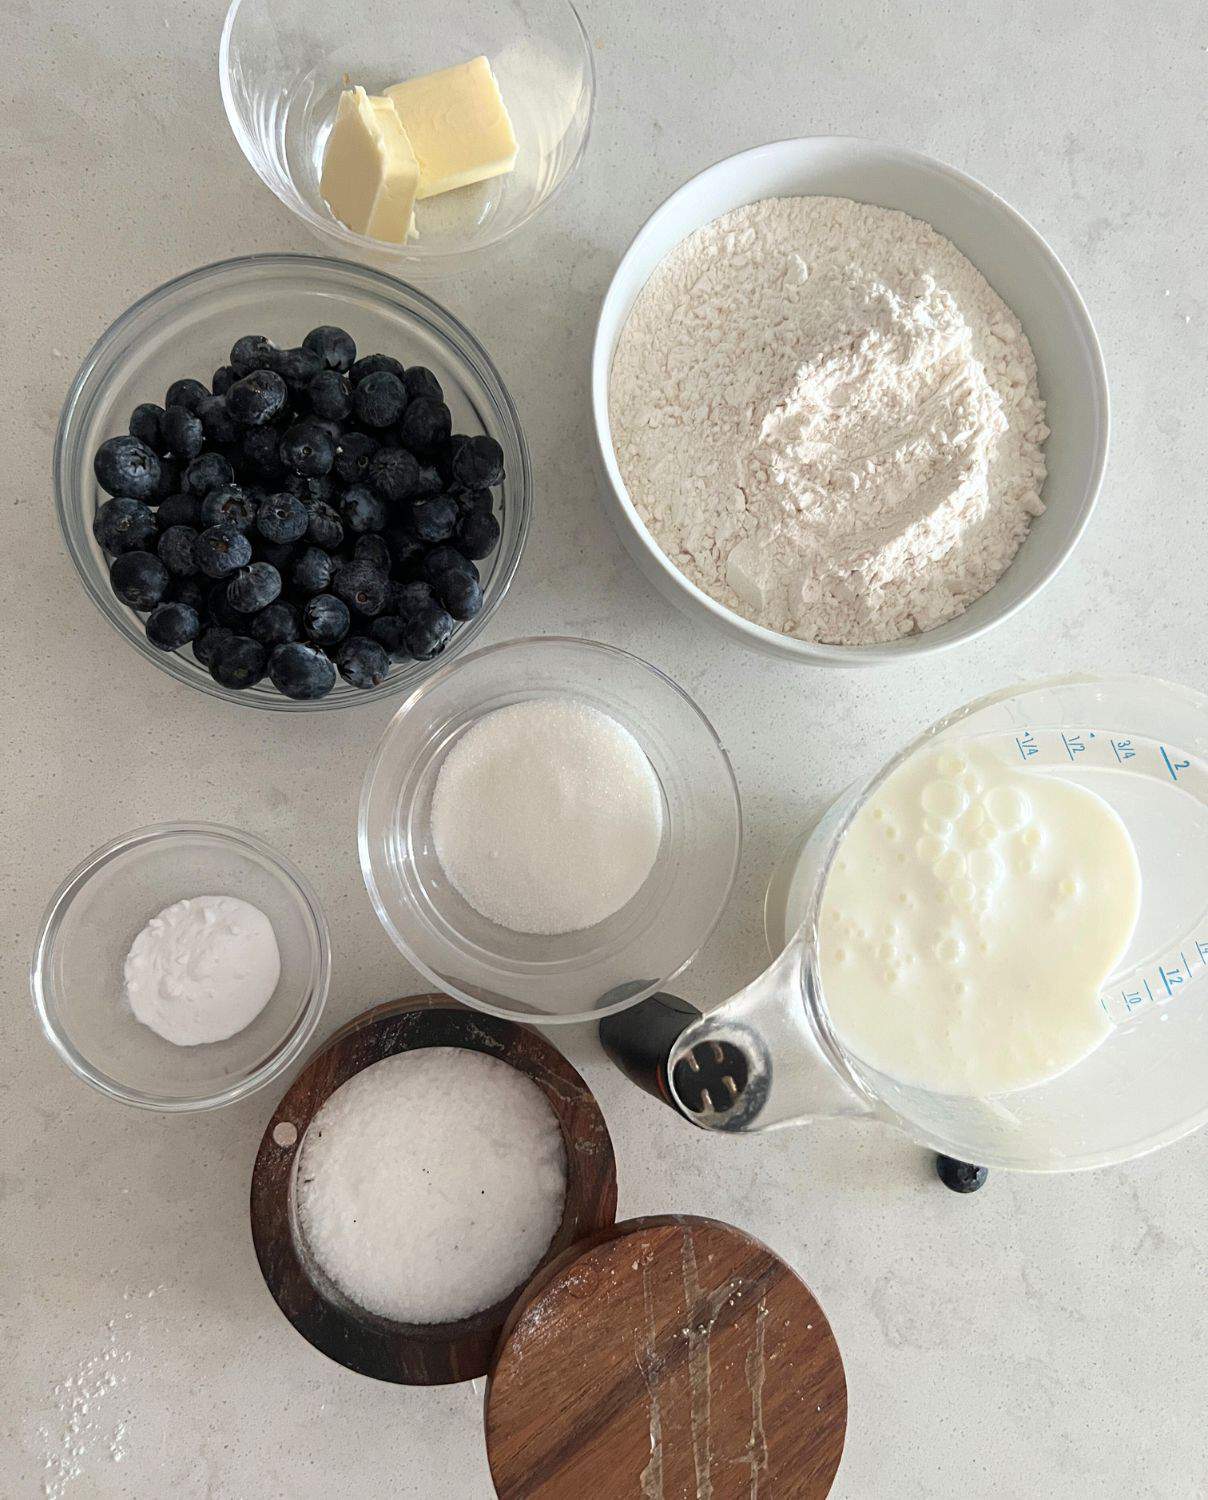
x=828 y=420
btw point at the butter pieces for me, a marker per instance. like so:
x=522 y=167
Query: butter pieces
x=370 y=173
x=458 y=126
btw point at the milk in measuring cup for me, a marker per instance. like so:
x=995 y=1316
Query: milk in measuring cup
x=970 y=918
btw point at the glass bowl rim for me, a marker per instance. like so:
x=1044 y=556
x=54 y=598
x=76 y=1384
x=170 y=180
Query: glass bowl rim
x=463 y=344
x=73 y=883
x=415 y=252
x=372 y=770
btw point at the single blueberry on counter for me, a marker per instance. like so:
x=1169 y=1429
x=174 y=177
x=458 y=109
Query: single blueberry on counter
x=186 y=393
x=379 y=399
x=960 y=1176
x=254 y=588
x=326 y=619
x=301 y=671
x=221 y=550
x=238 y=662
x=171 y=626
x=176 y=550
x=255 y=399
x=334 y=347
x=123 y=525
x=209 y=471
x=362 y=662
x=138 y=579
x=124 y=466
x=307 y=449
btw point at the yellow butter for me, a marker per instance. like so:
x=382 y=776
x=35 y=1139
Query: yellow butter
x=370 y=173
x=458 y=126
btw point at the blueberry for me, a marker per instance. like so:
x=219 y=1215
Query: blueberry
x=188 y=591
x=362 y=510
x=187 y=393
x=427 y=633
x=326 y=619
x=442 y=560
x=422 y=384
x=171 y=479
x=960 y=1176
x=427 y=482
x=374 y=551
x=321 y=490
x=217 y=423
x=460 y=594
x=362 y=662
x=301 y=671
x=124 y=526
x=147 y=425
x=477 y=462
x=470 y=500
x=238 y=662
x=275 y=624
x=361 y=586
x=313 y=571
x=124 y=466
x=434 y=520
x=282 y=555
x=218 y=608
x=353 y=453
x=335 y=348
x=297 y=367
x=252 y=352
x=254 y=588
x=255 y=400
x=171 y=626
x=138 y=579
x=282 y=519
x=227 y=506
x=221 y=551
x=406 y=550
x=334 y=430
x=330 y=396
x=261 y=452
x=225 y=377
x=206 y=645
x=477 y=534
x=393 y=473
x=389 y=631
x=208 y=472
x=324 y=527
x=407 y=599
x=372 y=364
x=379 y=399
x=307 y=449
x=425 y=425
x=176 y=550
x=183 y=434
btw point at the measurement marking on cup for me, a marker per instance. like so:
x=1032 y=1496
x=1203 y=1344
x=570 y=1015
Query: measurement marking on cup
x=1174 y=767
x=1160 y=984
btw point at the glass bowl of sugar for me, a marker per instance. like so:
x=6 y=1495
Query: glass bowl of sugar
x=549 y=828
x=196 y=903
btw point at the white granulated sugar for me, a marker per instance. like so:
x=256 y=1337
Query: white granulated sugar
x=828 y=420
x=547 y=816
x=430 y=1185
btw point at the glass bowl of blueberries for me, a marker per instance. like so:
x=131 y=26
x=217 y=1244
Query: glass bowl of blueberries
x=292 y=482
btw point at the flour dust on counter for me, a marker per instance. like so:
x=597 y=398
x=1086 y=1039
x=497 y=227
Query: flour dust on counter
x=430 y=1184
x=828 y=420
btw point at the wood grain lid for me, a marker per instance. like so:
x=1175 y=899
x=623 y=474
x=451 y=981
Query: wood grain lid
x=666 y=1357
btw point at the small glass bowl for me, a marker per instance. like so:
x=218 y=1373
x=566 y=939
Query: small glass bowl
x=282 y=65
x=187 y=327
x=77 y=981
x=573 y=976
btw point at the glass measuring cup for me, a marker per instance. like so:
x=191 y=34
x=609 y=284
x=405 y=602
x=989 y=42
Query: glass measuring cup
x=769 y=1056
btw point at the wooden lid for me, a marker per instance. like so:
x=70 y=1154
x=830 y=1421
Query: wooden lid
x=666 y=1357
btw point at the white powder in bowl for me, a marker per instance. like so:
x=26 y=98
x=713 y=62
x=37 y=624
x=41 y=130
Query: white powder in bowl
x=828 y=420
x=547 y=816
x=430 y=1185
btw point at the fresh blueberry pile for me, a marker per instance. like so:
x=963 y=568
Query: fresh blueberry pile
x=308 y=513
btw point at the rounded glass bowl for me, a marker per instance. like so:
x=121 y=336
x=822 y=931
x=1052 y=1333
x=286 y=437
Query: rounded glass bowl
x=283 y=64
x=572 y=976
x=77 y=970
x=187 y=327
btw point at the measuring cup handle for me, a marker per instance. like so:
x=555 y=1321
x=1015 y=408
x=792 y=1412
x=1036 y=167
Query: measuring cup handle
x=639 y=1042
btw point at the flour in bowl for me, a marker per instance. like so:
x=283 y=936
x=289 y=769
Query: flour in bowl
x=828 y=420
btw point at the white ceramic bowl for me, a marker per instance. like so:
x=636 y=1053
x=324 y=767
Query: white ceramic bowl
x=1014 y=259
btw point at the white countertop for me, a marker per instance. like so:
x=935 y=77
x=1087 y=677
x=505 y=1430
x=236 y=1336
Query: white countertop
x=1046 y=1337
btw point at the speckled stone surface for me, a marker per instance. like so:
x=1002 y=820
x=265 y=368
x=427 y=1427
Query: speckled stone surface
x=1046 y=1337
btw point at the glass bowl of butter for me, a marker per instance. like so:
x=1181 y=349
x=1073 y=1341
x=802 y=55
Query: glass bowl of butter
x=409 y=135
